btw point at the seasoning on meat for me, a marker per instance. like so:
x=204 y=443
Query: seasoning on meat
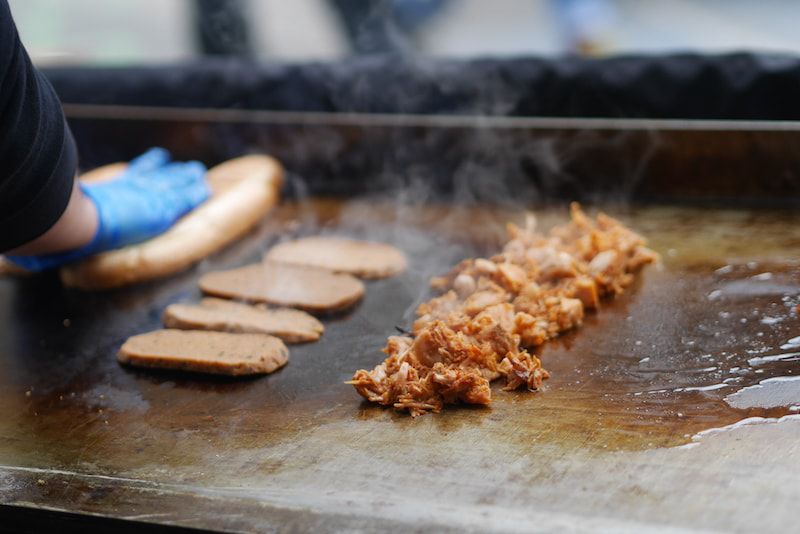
x=492 y=309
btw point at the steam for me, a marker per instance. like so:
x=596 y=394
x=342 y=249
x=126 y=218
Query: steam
x=438 y=216
x=442 y=190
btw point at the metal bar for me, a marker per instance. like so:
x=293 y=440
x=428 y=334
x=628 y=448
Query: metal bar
x=152 y=113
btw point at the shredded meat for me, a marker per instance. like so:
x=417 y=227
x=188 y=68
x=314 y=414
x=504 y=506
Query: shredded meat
x=491 y=311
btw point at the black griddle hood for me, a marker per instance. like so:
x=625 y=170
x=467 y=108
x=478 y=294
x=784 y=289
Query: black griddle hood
x=684 y=127
x=740 y=86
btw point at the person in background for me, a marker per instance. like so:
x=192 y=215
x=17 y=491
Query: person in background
x=221 y=28
x=384 y=26
x=47 y=217
x=587 y=25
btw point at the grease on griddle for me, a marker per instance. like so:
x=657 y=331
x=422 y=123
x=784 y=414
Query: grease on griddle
x=601 y=397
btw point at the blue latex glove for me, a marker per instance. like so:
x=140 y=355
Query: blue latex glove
x=144 y=201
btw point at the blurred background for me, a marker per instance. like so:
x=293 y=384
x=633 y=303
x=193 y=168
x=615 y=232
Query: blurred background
x=122 y=32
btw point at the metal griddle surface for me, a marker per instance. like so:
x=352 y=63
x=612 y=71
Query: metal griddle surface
x=599 y=447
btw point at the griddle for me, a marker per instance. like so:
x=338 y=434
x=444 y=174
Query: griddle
x=299 y=450
x=617 y=440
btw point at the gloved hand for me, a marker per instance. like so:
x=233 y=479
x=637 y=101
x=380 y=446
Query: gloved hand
x=144 y=201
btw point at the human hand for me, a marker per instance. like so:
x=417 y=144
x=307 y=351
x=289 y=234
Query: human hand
x=144 y=201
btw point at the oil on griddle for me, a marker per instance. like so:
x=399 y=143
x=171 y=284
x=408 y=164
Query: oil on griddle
x=653 y=369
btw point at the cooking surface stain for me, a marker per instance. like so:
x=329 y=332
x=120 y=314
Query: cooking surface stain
x=650 y=369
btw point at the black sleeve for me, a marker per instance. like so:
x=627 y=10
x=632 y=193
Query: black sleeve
x=38 y=158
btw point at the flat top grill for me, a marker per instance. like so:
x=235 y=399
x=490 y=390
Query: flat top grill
x=598 y=447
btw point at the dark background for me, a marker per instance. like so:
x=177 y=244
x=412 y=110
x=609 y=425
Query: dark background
x=675 y=128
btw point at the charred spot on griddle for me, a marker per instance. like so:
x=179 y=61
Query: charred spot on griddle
x=404 y=331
